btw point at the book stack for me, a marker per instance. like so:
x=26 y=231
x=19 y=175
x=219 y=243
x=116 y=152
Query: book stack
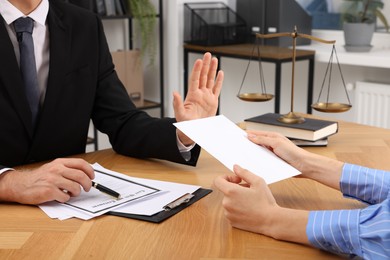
x=111 y=7
x=103 y=7
x=312 y=132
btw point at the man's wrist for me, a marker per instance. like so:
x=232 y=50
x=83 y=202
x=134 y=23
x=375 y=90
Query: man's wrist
x=183 y=139
x=184 y=150
x=182 y=147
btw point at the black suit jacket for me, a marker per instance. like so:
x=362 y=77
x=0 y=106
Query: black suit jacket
x=82 y=84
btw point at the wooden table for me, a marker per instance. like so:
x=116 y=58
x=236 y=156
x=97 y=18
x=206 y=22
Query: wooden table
x=272 y=54
x=198 y=232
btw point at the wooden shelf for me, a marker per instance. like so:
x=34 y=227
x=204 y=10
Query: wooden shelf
x=111 y=17
x=122 y=16
x=147 y=104
x=90 y=140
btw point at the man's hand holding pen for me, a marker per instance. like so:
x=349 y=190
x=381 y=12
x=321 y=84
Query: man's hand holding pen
x=48 y=182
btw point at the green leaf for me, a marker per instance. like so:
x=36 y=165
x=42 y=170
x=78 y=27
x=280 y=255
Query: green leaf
x=145 y=14
x=383 y=19
x=363 y=11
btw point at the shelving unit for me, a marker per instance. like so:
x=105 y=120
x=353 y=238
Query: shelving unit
x=148 y=104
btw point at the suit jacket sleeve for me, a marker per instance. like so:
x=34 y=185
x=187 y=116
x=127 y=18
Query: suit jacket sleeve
x=131 y=132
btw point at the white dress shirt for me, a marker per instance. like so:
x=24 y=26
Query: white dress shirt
x=40 y=36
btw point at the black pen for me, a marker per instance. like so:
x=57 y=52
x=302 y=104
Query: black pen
x=106 y=190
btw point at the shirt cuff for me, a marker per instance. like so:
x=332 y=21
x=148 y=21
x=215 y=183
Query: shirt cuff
x=5 y=169
x=336 y=231
x=184 y=150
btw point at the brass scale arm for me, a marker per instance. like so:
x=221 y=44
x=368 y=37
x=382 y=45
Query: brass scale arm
x=293 y=34
x=291 y=117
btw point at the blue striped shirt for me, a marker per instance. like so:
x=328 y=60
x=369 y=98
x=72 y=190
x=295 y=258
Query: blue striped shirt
x=358 y=232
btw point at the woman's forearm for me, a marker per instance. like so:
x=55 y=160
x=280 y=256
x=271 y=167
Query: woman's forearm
x=289 y=225
x=322 y=169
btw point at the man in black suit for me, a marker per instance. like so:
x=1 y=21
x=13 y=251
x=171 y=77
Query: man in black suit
x=78 y=82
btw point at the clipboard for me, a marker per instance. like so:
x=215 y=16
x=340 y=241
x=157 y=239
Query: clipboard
x=165 y=214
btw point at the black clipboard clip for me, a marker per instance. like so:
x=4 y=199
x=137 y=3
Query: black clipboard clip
x=181 y=200
x=165 y=214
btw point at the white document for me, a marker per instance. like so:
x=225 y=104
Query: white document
x=151 y=205
x=139 y=196
x=229 y=144
x=95 y=201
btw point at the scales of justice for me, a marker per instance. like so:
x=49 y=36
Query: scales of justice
x=291 y=117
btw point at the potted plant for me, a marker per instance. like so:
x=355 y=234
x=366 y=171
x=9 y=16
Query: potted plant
x=359 y=18
x=145 y=14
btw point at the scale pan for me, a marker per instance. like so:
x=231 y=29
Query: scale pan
x=331 y=107
x=255 y=97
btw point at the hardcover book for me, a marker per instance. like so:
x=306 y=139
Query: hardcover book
x=310 y=130
x=305 y=143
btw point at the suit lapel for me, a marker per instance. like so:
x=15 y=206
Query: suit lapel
x=59 y=53
x=11 y=78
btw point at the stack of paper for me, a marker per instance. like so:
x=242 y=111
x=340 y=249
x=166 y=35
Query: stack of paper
x=138 y=196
